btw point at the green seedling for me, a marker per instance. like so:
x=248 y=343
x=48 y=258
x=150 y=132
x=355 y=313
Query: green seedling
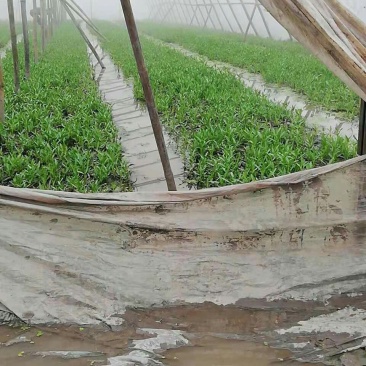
x=58 y=133
x=280 y=62
x=227 y=133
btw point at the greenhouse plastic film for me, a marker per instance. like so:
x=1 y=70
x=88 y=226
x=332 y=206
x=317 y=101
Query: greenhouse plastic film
x=331 y=32
x=85 y=258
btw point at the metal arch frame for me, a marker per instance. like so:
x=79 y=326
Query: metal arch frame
x=211 y=12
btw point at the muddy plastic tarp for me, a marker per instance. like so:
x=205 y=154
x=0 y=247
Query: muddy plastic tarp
x=335 y=35
x=84 y=258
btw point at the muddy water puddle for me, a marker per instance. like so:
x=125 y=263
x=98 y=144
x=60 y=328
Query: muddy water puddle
x=189 y=335
x=213 y=351
x=53 y=346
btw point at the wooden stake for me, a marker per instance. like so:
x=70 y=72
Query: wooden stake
x=54 y=13
x=23 y=6
x=85 y=19
x=49 y=20
x=35 y=35
x=14 y=45
x=43 y=24
x=361 y=149
x=83 y=13
x=2 y=94
x=86 y=39
x=149 y=97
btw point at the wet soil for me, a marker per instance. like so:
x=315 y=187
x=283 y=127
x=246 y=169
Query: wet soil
x=64 y=339
x=217 y=335
x=212 y=351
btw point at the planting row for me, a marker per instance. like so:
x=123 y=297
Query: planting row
x=58 y=133
x=281 y=62
x=226 y=132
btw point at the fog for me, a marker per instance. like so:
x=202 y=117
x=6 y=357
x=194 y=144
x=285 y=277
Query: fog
x=221 y=16
x=99 y=9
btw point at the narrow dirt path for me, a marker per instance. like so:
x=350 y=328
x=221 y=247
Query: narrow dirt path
x=7 y=47
x=315 y=117
x=134 y=128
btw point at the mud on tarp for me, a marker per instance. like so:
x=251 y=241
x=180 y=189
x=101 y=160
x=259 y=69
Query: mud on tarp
x=84 y=258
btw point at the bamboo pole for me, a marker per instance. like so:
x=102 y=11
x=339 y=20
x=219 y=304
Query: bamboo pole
x=35 y=31
x=86 y=39
x=23 y=6
x=86 y=20
x=2 y=94
x=149 y=97
x=14 y=46
x=50 y=19
x=54 y=14
x=43 y=24
x=361 y=148
x=83 y=12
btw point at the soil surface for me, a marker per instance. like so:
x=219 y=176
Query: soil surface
x=217 y=335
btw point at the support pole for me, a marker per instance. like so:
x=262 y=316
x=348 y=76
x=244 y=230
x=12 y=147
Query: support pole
x=199 y=8
x=248 y=17
x=362 y=130
x=85 y=19
x=235 y=16
x=250 y=21
x=194 y=13
x=86 y=39
x=43 y=24
x=35 y=31
x=50 y=19
x=14 y=46
x=23 y=6
x=217 y=15
x=264 y=19
x=2 y=94
x=184 y=12
x=149 y=97
x=208 y=9
x=82 y=14
x=223 y=11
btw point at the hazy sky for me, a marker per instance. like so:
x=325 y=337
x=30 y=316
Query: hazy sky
x=111 y=9
x=102 y=9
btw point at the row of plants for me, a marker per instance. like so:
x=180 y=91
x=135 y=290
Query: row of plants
x=58 y=133
x=226 y=132
x=285 y=63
